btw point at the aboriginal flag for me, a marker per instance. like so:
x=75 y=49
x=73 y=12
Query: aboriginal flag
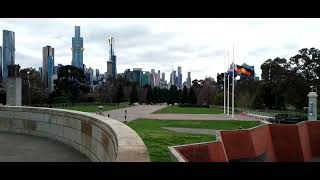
x=243 y=70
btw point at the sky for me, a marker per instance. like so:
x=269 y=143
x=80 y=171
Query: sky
x=199 y=46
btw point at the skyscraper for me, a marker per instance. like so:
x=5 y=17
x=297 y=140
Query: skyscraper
x=97 y=73
x=0 y=63
x=8 y=52
x=189 y=80
x=163 y=76
x=173 y=78
x=179 y=83
x=77 y=49
x=112 y=64
x=47 y=65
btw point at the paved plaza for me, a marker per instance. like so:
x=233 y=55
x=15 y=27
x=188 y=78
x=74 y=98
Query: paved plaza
x=26 y=148
x=145 y=111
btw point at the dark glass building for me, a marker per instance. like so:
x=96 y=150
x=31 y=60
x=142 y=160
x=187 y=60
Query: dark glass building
x=8 y=52
x=47 y=65
x=77 y=49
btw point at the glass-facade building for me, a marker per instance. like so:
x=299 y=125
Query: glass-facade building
x=77 y=49
x=0 y=63
x=8 y=52
x=145 y=79
x=137 y=76
x=47 y=65
x=112 y=59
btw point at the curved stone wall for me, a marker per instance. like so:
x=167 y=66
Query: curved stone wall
x=98 y=137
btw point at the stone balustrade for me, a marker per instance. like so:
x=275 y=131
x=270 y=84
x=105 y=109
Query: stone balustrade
x=98 y=137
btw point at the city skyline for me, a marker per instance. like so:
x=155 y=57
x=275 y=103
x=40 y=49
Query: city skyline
x=198 y=45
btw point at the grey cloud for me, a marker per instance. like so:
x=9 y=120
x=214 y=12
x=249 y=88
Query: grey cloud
x=26 y=61
x=260 y=51
x=291 y=46
x=210 y=53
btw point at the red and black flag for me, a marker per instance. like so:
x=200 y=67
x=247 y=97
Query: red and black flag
x=244 y=71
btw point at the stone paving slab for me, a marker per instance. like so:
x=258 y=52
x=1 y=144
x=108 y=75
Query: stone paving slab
x=192 y=130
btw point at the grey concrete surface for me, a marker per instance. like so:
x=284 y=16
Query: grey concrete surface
x=192 y=130
x=145 y=111
x=133 y=112
x=26 y=148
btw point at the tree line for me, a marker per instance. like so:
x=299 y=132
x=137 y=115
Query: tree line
x=284 y=84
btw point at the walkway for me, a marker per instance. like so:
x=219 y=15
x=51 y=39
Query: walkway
x=145 y=111
x=133 y=112
x=192 y=130
x=26 y=148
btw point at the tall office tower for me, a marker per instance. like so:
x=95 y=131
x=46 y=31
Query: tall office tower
x=90 y=70
x=40 y=72
x=77 y=49
x=156 y=77
x=0 y=63
x=173 y=78
x=97 y=73
x=179 y=77
x=189 y=80
x=163 y=76
x=47 y=65
x=8 y=52
x=137 y=76
x=112 y=63
x=109 y=69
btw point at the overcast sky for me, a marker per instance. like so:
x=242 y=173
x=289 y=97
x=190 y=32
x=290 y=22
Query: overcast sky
x=198 y=45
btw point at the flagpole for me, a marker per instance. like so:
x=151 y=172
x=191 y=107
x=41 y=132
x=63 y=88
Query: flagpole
x=228 y=87
x=224 y=86
x=233 y=83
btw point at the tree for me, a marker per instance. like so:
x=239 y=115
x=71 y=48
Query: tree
x=149 y=95
x=33 y=91
x=134 y=94
x=192 y=96
x=71 y=84
x=184 y=98
x=120 y=94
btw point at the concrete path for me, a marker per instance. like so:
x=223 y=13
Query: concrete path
x=26 y=148
x=192 y=130
x=145 y=111
x=133 y=112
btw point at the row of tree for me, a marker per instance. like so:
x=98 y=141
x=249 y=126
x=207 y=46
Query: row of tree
x=284 y=83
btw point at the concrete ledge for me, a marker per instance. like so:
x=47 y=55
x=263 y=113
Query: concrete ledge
x=98 y=137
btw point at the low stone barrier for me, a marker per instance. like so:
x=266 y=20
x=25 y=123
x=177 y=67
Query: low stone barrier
x=98 y=137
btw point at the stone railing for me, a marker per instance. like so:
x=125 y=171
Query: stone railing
x=98 y=137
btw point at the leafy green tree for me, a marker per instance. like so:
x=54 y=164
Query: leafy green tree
x=134 y=94
x=120 y=94
x=71 y=84
x=192 y=96
x=184 y=98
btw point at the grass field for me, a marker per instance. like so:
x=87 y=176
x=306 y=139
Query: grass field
x=158 y=139
x=189 y=110
x=93 y=108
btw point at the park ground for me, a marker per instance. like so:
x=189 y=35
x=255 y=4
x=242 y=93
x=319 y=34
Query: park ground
x=158 y=139
x=161 y=126
x=189 y=110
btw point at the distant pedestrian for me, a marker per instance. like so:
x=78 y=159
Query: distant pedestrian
x=108 y=115
x=125 y=114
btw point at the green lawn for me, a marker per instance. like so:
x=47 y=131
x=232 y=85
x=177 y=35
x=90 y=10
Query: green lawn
x=158 y=140
x=93 y=108
x=189 y=110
